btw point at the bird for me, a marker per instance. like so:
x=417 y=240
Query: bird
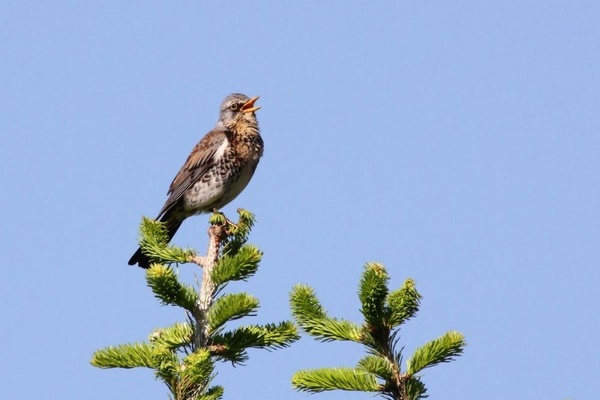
x=217 y=170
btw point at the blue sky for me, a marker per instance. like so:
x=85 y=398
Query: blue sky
x=455 y=142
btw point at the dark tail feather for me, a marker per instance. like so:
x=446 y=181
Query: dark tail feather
x=141 y=259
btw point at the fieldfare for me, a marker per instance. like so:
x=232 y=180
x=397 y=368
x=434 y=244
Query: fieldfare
x=217 y=170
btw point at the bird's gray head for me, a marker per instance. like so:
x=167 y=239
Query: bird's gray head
x=237 y=108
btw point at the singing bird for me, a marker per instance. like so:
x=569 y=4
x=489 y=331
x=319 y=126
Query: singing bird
x=217 y=170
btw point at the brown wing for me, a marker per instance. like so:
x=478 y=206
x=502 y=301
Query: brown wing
x=198 y=162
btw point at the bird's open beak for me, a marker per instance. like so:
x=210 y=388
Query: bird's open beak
x=249 y=105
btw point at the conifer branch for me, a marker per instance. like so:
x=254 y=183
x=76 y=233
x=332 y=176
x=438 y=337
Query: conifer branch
x=232 y=346
x=213 y=393
x=174 y=337
x=167 y=367
x=124 y=356
x=239 y=232
x=154 y=241
x=413 y=388
x=403 y=304
x=236 y=267
x=372 y=293
x=313 y=319
x=378 y=366
x=208 y=287
x=305 y=305
x=230 y=307
x=183 y=355
x=383 y=311
x=325 y=379
x=440 y=350
x=167 y=288
x=197 y=368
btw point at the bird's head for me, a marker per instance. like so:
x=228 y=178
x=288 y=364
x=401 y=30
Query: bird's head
x=236 y=109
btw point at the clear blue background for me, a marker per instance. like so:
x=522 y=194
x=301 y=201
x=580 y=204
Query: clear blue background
x=455 y=142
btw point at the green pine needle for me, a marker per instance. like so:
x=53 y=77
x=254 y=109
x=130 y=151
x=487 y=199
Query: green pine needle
x=237 y=234
x=230 y=307
x=167 y=365
x=213 y=393
x=372 y=292
x=323 y=379
x=171 y=352
x=167 y=288
x=312 y=318
x=124 y=356
x=403 y=303
x=173 y=337
x=197 y=368
x=217 y=218
x=442 y=349
x=245 y=223
x=330 y=329
x=247 y=218
x=154 y=242
x=237 y=267
x=414 y=388
x=305 y=305
x=232 y=345
x=378 y=366
x=383 y=311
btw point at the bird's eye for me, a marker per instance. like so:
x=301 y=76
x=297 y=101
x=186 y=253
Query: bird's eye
x=234 y=106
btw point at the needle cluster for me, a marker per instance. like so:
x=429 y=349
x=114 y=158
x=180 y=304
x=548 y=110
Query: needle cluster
x=384 y=313
x=183 y=355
